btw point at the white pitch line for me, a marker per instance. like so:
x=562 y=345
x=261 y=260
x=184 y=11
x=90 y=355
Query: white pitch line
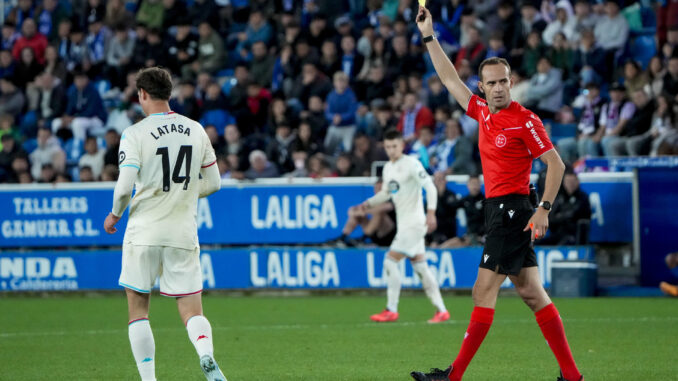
x=7 y=335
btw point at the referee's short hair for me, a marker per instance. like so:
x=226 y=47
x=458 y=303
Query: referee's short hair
x=156 y=81
x=493 y=61
x=392 y=134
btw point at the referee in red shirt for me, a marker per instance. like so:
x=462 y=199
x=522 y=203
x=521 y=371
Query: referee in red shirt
x=510 y=137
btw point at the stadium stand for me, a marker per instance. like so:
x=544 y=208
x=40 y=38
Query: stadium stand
x=241 y=62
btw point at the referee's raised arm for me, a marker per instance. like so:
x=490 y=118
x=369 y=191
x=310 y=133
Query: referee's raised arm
x=446 y=71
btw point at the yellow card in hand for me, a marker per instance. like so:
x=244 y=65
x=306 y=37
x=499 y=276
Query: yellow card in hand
x=422 y=3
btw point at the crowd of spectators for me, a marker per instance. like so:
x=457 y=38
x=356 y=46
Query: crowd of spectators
x=306 y=88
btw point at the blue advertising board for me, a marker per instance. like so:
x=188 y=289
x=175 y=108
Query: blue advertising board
x=658 y=193
x=265 y=267
x=243 y=214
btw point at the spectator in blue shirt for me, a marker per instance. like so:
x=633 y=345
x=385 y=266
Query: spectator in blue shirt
x=257 y=30
x=48 y=15
x=340 y=113
x=9 y=35
x=85 y=112
x=96 y=41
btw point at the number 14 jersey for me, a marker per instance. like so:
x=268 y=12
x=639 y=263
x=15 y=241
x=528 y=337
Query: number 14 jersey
x=168 y=150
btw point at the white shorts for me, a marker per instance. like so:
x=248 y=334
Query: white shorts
x=409 y=241
x=178 y=269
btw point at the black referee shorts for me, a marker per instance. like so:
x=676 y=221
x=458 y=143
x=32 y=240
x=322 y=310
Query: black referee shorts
x=507 y=247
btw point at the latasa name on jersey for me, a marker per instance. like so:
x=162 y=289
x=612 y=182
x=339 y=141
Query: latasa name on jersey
x=171 y=128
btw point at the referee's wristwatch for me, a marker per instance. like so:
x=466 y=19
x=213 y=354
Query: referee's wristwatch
x=546 y=205
x=428 y=39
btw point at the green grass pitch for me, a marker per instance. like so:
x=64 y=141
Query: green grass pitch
x=331 y=338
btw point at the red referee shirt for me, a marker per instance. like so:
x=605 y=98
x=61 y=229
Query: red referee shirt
x=509 y=141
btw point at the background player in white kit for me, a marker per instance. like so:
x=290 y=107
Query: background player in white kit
x=404 y=176
x=163 y=155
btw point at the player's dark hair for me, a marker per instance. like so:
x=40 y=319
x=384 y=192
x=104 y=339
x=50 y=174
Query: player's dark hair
x=492 y=61
x=392 y=134
x=473 y=177
x=156 y=81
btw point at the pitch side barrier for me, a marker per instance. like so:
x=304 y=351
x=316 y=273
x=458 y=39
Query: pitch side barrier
x=264 y=212
x=260 y=268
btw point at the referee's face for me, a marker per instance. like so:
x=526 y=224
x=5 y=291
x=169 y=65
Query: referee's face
x=394 y=148
x=496 y=84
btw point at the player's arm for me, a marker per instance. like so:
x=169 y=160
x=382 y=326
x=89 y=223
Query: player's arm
x=446 y=72
x=123 y=190
x=539 y=222
x=425 y=181
x=122 y=194
x=554 y=175
x=129 y=164
x=210 y=181
x=385 y=207
x=379 y=198
x=209 y=170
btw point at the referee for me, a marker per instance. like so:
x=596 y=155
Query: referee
x=510 y=137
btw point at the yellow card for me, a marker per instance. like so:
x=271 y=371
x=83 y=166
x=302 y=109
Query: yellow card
x=422 y=3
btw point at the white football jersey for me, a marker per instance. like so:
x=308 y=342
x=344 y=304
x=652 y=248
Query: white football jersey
x=169 y=150
x=403 y=182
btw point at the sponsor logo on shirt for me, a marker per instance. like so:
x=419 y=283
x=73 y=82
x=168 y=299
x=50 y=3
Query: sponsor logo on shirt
x=536 y=137
x=121 y=157
x=393 y=186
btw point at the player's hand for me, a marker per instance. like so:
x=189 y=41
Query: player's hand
x=356 y=211
x=431 y=221
x=539 y=223
x=424 y=22
x=109 y=223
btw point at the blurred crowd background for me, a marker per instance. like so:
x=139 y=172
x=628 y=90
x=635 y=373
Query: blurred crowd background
x=305 y=88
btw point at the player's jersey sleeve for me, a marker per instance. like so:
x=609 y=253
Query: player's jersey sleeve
x=208 y=155
x=424 y=180
x=129 y=154
x=384 y=194
x=475 y=107
x=535 y=137
x=418 y=172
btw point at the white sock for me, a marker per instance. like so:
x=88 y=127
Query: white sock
x=430 y=284
x=143 y=348
x=393 y=282
x=200 y=334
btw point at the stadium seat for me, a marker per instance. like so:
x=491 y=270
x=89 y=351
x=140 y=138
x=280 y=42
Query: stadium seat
x=642 y=48
x=30 y=145
x=74 y=148
x=559 y=131
x=217 y=118
x=228 y=85
x=648 y=17
x=102 y=86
